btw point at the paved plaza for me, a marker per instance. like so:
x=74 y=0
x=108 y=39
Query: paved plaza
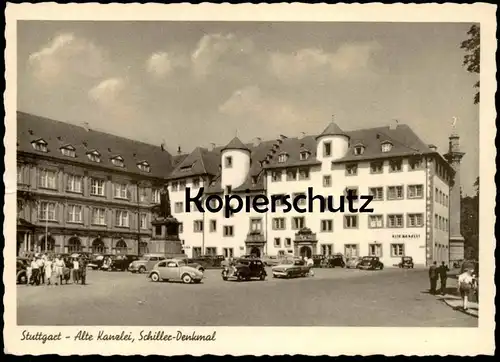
x=333 y=297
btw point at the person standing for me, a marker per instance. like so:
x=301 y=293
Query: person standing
x=47 y=268
x=41 y=271
x=35 y=270
x=433 y=277
x=59 y=269
x=82 y=263
x=76 y=271
x=464 y=287
x=443 y=276
x=310 y=264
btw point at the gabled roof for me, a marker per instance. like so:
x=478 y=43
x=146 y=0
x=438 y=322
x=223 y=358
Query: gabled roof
x=332 y=130
x=58 y=134
x=236 y=144
x=199 y=162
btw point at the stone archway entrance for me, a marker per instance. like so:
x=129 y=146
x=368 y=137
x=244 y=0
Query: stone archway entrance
x=74 y=245
x=121 y=247
x=305 y=251
x=255 y=251
x=98 y=246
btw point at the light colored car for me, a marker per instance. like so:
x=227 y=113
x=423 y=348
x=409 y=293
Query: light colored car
x=291 y=268
x=352 y=263
x=145 y=263
x=172 y=269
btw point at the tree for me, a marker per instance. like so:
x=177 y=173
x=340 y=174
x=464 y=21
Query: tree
x=472 y=57
x=469 y=225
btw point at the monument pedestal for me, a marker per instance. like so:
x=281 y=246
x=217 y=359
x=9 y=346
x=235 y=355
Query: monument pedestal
x=165 y=238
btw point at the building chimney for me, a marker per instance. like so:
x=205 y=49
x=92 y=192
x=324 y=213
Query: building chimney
x=394 y=124
x=179 y=151
x=257 y=141
x=432 y=147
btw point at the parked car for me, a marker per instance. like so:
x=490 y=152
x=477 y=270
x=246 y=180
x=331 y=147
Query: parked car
x=353 y=262
x=207 y=261
x=271 y=260
x=332 y=261
x=371 y=263
x=21 y=267
x=291 y=268
x=245 y=269
x=145 y=263
x=406 y=262
x=97 y=260
x=121 y=262
x=318 y=260
x=191 y=264
x=172 y=269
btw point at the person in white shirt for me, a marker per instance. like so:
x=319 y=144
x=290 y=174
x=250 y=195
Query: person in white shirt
x=76 y=271
x=35 y=270
x=465 y=287
x=48 y=270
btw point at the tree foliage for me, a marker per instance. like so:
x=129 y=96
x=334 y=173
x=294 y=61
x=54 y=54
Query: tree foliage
x=472 y=48
x=469 y=225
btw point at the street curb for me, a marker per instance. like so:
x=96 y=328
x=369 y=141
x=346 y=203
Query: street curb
x=457 y=308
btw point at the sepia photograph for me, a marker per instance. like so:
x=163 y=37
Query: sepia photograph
x=260 y=173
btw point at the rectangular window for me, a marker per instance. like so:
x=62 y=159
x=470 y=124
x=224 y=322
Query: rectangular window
x=48 y=179
x=228 y=162
x=278 y=199
x=350 y=221
x=395 y=221
x=47 y=211
x=327 y=181
x=74 y=183
x=211 y=251
x=256 y=225
x=288 y=242
x=377 y=193
x=415 y=220
x=196 y=252
x=19 y=175
x=178 y=206
x=198 y=226
x=120 y=191
x=397 y=250
x=435 y=221
x=327 y=149
x=279 y=223
x=351 y=170
x=375 y=250
x=181 y=228
x=302 y=200
x=98 y=216
x=326 y=249
x=395 y=165
x=182 y=185
x=156 y=196
x=353 y=190
x=351 y=250
x=75 y=213
x=196 y=184
x=213 y=226
x=415 y=163
x=375 y=221
x=228 y=230
x=304 y=174
x=395 y=192
x=326 y=225
x=143 y=194
x=174 y=186
x=376 y=167
x=291 y=175
x=277 y=242
x=144 y=221
x=298 y=223
x=97 y=187
x=276 y=176
x=227 y=252
x=415 y=191
x=121 y=218
x=436 y=195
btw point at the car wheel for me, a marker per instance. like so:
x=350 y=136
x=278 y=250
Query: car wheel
x=197 y=281
x=381 y=266
x=275 y=276
x=239 y=277
x=288 y=275
x=141 y=270
x=155 y=277
x=224 y=278
x=186 y=279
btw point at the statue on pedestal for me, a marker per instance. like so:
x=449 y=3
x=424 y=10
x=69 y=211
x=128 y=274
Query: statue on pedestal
x=165 y=210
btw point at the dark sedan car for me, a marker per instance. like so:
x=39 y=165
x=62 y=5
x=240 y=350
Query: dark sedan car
x=21 y=267
x=370 y=263
x=121 y=262
x=245 y=269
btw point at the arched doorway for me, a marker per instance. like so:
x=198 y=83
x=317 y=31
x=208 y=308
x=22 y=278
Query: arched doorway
x=48 y=244
x=121 y=247
x=143 y=248
x=98 y=246
x=74 y=245
x=305 y=251
x=255 y=251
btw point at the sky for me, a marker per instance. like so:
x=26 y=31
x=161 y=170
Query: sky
x=192 y=84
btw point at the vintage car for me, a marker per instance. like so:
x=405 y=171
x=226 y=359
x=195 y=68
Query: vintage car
x=271 y=260
x=207 y=261
x=174 y=270
x=21 y=267
x=245 y=269
x=318 y=260
x=370 y=263
x=191 y=264
x=121 y=262
x=406 y=262
x=353 y=262
x=97 y=261
x=291 y=268
x=332 y=261
x=145 y=263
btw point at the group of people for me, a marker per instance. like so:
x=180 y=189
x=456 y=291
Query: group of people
x=54 y=270
x=467 y=283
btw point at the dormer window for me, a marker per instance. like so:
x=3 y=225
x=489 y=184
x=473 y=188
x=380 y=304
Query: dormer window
x=68 y=151
x=144 y=166
x=282 y=158
x=94 y=156
x=40 y=145
x=386 y=146
x=304 y=155
x=118 y=161
x=359 y=149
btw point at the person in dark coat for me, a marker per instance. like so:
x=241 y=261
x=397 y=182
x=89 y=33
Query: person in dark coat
x=433 y=277
x=82 y=264
x=443 y=276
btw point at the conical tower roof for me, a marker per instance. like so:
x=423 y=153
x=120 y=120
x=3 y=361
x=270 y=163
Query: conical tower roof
x=236 y=144
x=332 y=130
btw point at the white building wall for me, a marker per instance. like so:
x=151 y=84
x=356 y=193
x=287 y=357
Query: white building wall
x=441 y=235
x=237 y=173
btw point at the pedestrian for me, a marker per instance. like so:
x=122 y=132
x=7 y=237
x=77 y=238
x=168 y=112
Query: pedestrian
x=76 y=270
x=41 y=271
x=35 y=270
x=465 y=287
x=443 y=276
x=59 y=269
x=310 y=264
x=47 y=268
x=82 y=263
x=433 y=277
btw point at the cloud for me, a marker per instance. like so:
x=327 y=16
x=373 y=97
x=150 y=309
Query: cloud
x=309 y=62
x=67 y=54
x=159 y=64
x=108 y=90
x=214 y=49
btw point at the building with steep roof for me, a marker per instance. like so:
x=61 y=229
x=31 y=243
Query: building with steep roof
x=410 y=183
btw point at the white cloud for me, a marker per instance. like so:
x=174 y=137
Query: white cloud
x=347 y=59
x=67 y=54
x=159 y=64
x=108 y=90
